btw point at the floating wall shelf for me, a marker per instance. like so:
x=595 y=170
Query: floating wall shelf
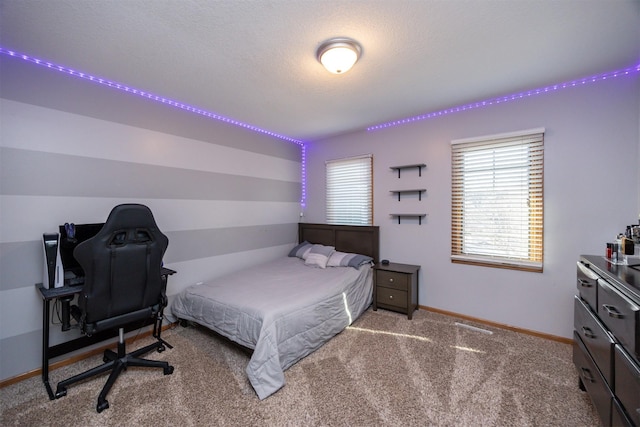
x=399 y=168
x=418 y=166
x=417 y=190
x=409 y=215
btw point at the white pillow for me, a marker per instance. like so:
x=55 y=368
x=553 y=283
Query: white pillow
x=318 y=256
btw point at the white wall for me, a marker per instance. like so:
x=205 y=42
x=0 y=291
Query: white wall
x=590 y=185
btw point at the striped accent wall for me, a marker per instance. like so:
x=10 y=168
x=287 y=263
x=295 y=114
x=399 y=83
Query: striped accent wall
x=226 y=197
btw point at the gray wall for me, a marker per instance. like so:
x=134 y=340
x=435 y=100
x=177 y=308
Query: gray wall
x=592 y=164
x=71 y=150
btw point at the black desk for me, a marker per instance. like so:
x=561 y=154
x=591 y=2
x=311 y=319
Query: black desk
x=48 y=353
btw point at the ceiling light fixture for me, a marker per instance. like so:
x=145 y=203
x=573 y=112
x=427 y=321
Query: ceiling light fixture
x=338 y=55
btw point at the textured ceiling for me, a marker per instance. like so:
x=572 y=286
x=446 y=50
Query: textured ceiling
x=254 y=61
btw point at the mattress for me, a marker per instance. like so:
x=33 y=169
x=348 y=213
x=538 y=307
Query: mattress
x=283 y=310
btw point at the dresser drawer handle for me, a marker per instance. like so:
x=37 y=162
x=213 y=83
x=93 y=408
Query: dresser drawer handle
x=585 y=283
x=586 y=374
x=588 y=332
x=390 y=280
x=390 y=296
x=612 y=311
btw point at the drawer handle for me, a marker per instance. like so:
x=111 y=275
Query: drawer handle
x=586 y=374
x=390 y=296
x=391 y=280
x=588 y=332
x=585 y=283
x=612 y=311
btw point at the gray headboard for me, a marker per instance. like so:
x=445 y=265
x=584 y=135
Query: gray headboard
x=358 y=239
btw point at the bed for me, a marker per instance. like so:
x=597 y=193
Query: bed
x=286 y=309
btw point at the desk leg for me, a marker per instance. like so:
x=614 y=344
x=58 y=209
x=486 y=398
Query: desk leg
x=45 y=347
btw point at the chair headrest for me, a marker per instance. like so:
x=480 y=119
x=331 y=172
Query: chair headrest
x=128 y=216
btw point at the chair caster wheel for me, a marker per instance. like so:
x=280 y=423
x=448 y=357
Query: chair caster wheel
x=161 y=348
x=102 y=406
x=61 y=392
x=168 y=370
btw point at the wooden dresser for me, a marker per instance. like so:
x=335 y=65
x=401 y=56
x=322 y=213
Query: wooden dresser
x=606 y=348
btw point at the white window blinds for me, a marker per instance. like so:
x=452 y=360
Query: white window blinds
x=497 y=200
x=350 y=191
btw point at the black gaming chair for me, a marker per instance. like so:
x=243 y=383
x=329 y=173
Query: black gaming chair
x=123 y=284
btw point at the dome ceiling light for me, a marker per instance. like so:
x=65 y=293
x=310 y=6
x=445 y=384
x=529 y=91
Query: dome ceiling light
x=339 y=54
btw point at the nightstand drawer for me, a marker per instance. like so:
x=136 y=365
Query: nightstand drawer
x=391 y=279
x=392 y=297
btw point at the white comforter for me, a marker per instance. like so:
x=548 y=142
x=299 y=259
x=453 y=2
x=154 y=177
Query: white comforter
x=283 y=310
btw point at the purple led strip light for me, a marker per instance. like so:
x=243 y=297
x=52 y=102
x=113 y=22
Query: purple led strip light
x=509 y=98
x=144 y=94
x=176 y=104
x=167 y=101
x=303 y=173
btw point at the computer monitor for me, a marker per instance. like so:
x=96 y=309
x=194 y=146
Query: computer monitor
x=73 y=273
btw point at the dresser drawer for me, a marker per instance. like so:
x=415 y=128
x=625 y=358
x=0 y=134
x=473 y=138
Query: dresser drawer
x=627 y=386
x=587 y=285
x=619 y=417
x=595 y=337
x=620 y=316
x=391 y=297
x=392 y=279
x=592 y=380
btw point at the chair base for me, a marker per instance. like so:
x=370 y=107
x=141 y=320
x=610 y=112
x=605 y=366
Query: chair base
x=116 y=363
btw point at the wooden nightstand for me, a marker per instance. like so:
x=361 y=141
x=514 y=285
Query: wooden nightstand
x=396 y=287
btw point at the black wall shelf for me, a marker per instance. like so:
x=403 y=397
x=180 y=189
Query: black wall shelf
x=409 y=215
x=417 y=190
x=417 y=165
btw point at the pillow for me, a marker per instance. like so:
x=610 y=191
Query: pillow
x=319 y=255
x=344 y=259
x=301 y=250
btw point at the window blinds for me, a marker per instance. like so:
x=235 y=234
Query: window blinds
x=497 y=200
x=349 y=191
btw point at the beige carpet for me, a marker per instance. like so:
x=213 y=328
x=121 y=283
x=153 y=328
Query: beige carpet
x=384 y=370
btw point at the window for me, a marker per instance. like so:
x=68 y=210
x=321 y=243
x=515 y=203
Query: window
x=350 y=191
x=497 y=200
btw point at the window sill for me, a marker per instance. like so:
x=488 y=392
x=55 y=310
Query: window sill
x=483 y=261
